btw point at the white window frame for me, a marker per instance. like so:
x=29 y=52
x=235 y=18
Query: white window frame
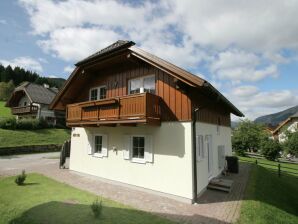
x=97 y=154
x=142 y=87
x=98 y=92
x=133 y=159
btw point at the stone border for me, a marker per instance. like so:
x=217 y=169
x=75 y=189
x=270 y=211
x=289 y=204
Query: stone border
x=6 y=151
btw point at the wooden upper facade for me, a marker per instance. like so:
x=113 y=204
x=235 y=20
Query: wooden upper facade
x=126 y=85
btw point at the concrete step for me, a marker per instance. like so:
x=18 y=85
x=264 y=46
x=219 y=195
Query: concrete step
x=220 y=184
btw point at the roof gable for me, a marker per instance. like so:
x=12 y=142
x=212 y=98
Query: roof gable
x=155 y=61
x=36 y=93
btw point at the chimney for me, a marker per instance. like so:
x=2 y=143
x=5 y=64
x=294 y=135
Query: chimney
x=46 y=85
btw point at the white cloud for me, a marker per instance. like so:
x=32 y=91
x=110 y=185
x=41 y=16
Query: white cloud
x=254 y=102
x=24 y=62
x=237 y=65
x=72 y=44
x=3 y=21
x=68 y=69
x=245 y=91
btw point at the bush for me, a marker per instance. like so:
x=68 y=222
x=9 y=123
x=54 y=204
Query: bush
x=24 y=124
x=20 y=179
x=271 y=149
x=291 y=144
x=96 y=208
x=8 y=123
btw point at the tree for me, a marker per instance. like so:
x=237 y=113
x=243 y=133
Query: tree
x=247 y=137
x=291 y=144
x=6 y=88
x=270 y=149
x=7 y=74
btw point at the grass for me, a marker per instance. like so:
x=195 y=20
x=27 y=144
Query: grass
x=34 y=137
x=289 y=167
x=269 y=198
x=4 y=111
x=43 y=200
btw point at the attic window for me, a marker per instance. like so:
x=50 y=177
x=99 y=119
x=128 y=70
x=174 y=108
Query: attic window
x=98 y=93
x=142 y=85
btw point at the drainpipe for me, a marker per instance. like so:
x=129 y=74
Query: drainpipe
x=194 y=152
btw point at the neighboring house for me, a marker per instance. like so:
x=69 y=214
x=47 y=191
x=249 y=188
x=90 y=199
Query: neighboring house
x=290 y=124
x=142 y=121
x=30 y=100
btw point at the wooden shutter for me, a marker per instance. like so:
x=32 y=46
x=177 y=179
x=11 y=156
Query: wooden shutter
x=148 y=149
x=104 y=149
x=127 y=147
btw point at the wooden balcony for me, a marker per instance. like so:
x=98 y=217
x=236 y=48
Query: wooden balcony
x=132 y=109
x=30 y=109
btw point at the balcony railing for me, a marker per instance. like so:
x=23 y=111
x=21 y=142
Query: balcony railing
x=30 y=109
x=139 y=108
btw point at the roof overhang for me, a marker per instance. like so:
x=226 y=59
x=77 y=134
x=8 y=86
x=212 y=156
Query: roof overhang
x=128 y=50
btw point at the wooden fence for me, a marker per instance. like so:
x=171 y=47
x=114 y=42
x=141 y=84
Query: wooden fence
x=275 y=167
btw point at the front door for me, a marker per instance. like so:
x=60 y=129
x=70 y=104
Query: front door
x=209 y=154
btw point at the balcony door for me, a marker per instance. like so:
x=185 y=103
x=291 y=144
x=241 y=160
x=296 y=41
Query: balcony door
x=98 y=93
x=144 y=84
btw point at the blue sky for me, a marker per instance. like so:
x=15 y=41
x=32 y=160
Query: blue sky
x=244 y=48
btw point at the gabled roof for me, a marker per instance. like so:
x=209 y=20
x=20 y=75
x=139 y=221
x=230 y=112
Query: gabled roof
x=36 y=93
x=285 y=122
x=120 y=44
x=177 y=72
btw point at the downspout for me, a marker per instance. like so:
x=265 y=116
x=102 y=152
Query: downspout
x=194 y=152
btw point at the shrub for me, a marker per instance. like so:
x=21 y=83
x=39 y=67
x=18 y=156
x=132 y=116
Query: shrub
x=291 y=144
x=24 y=124
x=8 y=123
x=271 y=149
x=20 y=179
x=96 y=208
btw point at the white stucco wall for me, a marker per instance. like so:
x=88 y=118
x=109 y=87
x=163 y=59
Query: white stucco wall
x=171 y=171
x=291 y=128
x=24 y=99
x=223 y=138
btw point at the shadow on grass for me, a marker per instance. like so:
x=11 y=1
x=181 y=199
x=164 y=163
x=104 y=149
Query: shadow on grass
x=281 y=192
x=264 y=186
x=63 y=212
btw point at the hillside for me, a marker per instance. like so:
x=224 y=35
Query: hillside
x=275 y=119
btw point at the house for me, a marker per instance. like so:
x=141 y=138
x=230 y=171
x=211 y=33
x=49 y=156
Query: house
x=290 y=124
x=139 y=120
x=30 y=100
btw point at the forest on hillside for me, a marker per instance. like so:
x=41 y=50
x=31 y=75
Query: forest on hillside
x=12 y=77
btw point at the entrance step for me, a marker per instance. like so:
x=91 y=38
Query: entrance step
x=220 y=184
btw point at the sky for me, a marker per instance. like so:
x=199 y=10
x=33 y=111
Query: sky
x=248 y=50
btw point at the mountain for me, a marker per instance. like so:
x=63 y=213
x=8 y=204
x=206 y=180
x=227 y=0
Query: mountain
x=275 y=119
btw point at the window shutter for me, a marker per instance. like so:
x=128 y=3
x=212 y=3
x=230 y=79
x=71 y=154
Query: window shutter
x=148 y=149
x=89 y=143
x=221 y=156
x=104 y=149
x=127 y=146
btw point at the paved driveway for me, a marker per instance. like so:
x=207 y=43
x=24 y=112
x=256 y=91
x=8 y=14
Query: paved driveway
x=214 y=207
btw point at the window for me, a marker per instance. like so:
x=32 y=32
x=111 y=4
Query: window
x=138 y=147
x=25 y=103
x=98 y=93
x=200 y=147
x=98 y=144
x=142 y=84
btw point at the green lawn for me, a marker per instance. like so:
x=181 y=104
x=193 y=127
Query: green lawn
x=36 y=137
x=4 y=111
x=272 y=165
x=43 y=200
x=269 y=198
